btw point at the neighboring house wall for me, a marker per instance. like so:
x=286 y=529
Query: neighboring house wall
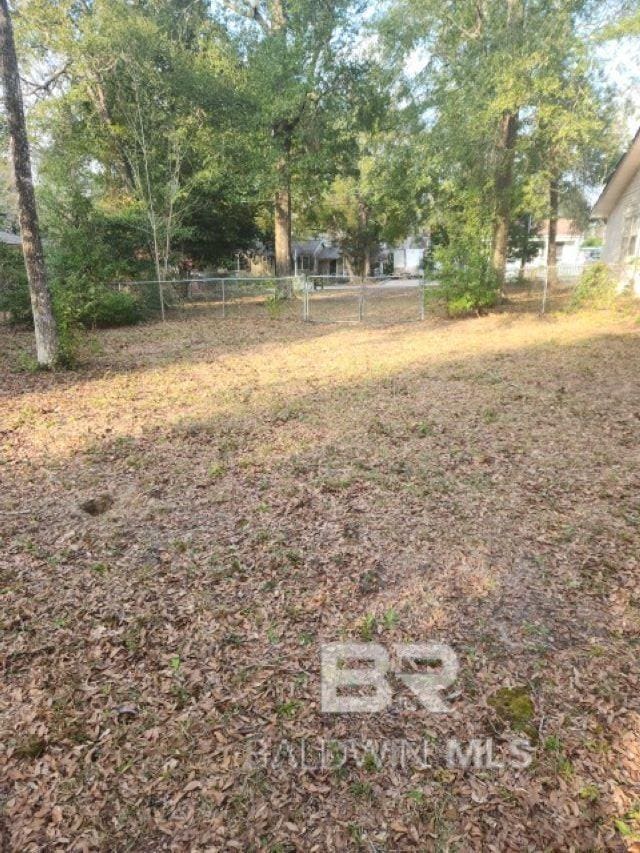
x=408 y=260
x=569 y=251
x=619 y=206
x=620 y=225
x=331 y=266
x=570 y=254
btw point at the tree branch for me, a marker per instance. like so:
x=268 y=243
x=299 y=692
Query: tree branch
x=248 y=9
x=47 y=85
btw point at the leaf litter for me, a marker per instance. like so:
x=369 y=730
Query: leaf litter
x=182 y=526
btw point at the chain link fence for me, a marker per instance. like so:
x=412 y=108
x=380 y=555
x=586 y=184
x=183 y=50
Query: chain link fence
x=319 y=299
x=544 y=289
x=339 y=299
x=219 y=297
x=330 y=299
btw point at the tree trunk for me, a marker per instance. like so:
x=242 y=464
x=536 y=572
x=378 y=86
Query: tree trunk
x=364 y=225
x=524 y=260
x=283 y=232
x=44 y=321
x=552 y=240
x=503 y=186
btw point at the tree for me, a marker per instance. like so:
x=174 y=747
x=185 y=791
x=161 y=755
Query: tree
x=41 y=303
x=301 y=74
x=381 y=198
x=524 y=242
x=571 y=132
x=487 y=84
x=142 y=139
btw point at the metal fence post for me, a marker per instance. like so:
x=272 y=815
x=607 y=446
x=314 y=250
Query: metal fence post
x=161 y=292
x=423 y=296
x=224 y=303
x=361 y=303
x=545 y=290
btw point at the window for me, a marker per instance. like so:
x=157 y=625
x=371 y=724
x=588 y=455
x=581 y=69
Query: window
x=629 y=244
x=306 y=263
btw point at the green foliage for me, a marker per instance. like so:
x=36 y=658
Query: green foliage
x=275 y=303
x=527 y=60
x=110 y=308
x=468 y=283
x=173 y=123
x=368 y=627
x=524 y=241
x=14 y=290
x=597 y=288
x=144 y=134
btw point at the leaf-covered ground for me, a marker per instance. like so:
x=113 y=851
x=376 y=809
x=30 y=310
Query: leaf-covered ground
x=184 y=520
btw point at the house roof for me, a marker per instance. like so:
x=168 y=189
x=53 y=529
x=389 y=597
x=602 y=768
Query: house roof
x=308 y=247
x=10 y=239
x=323 y=250
x=330 y=253
x=566 y=228
x=619 y=180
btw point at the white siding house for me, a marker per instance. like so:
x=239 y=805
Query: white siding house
x=409 y=257
x=619 y=207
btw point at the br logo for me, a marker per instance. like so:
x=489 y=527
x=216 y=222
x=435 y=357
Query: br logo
x=355 y=679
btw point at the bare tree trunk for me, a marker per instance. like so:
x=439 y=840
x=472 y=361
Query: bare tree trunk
x=44 y=321
x=552 y=240
x=283 y=229
x=503 y=185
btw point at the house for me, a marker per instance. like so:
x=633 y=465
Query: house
x=619 y=207
x=572 y=255
x=408 y=257
x=569 y=240
x=318 y=257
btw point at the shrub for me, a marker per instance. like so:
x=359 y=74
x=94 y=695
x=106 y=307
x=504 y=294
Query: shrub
x=468 y=283
x=597 y=288
x=14 y=291
x=89 y=308
x=110 y=308
x=277 y=300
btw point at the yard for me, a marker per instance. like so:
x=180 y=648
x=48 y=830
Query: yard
x=186 y=519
